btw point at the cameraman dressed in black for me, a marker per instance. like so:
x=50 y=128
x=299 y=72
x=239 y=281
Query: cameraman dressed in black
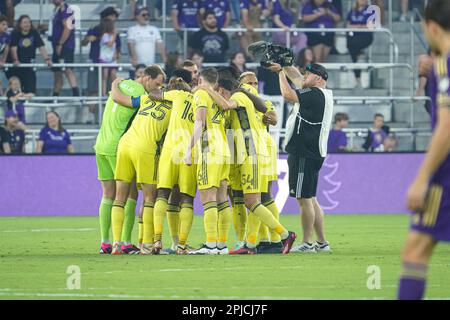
x=307 y=130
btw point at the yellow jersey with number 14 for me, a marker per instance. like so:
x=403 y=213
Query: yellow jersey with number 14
x=214 y=139
x=147 y=131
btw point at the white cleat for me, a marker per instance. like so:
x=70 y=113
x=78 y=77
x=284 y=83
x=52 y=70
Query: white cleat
x=224 y=250
x=304 y=248
x=322 y=247
x=204 y=249
x=146 y=248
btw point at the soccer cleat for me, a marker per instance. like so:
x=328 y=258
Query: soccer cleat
x=223 y=250
x=304 y=248
x=272 y=248
x=181 y=250
x=239 y=245
x=130 y=249
x=244 y=250
x=157 y=247
x=116 y=249
x=263 y=245
x=322 y=247
x=105 y=248
x=146 y=249
x=288 y=242
x=204 y=249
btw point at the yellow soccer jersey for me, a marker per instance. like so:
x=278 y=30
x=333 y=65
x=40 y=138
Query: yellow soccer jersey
x=250 y=132
x=214 y=140
x=181 y=125
x=148 y=128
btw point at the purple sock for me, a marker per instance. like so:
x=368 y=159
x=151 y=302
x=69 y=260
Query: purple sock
x=412 y=282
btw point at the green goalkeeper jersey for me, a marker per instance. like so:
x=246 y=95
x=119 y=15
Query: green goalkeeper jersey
x=115 y=119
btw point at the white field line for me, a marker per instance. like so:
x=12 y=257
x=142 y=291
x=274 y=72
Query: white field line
x=50 y=230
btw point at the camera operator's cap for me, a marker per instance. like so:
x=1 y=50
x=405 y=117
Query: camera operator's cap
x=318 y=69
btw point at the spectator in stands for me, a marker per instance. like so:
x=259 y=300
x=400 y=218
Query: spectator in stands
x=109 y=53
x=210 y=40
x=425 y=65
x=16 y=98
x=5 y=147
x=251 y=12
x=337 y=140
x=63 y=43
x=5 y=41
x=338 y=5
x=93 y=37
x=237 y=62
x=358 y=41
x=15 y=132
x=24 y=41
x=220 y=9
x=283 y=17
x=390 y=143
x=144 y=40
x=376 y=135
x=174 y=61
x=139 y=71
x=304 y=58
x=53 y=138
x=7 y=8
x=185 y=14
x=380 y=4
x=320 y=14
x=198 y=58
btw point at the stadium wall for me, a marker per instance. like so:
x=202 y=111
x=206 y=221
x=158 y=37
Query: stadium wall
x=68 y=186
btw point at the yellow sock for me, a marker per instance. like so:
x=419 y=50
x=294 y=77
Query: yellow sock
x=147 y=219
x=210 y=221
x=159 y=212
x=117 y=217
x=224 y=222
x=186 y=217
x=253 y=224
x=274 y=236
x=267 y=218
x=264 y=233
x=173 y=220
x=141 y=232
x=240 y=218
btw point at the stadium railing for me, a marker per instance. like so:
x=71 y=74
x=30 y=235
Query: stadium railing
x=277 y=133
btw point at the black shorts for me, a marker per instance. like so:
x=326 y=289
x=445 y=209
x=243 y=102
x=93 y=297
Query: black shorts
x=303 y=176
x=66 y=56
x=316 y=38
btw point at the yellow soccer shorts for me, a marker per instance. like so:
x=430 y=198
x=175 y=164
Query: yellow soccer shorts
x=253 y=179
x=235 y=177
x=133 y=163
x=211 y=170
x=173 y=171
x=273 y=152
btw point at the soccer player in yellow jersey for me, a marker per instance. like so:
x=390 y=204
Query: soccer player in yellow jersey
x=212 y=163
x=138 y=153
x=268 y=243
x=172 y=170
x=252 y=156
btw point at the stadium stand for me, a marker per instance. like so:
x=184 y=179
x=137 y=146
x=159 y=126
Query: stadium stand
x=386 y=86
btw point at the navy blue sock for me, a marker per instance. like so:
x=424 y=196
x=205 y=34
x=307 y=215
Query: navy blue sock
x=412 y=281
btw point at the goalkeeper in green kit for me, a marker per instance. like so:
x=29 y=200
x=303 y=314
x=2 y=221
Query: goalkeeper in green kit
x=114 y=124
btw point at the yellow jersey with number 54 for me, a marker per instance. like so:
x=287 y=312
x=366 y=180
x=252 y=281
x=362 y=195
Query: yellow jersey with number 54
x=214 y=139
x=148 y=128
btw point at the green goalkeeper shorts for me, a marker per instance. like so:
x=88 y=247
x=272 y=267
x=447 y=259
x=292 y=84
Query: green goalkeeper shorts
x=106 y=166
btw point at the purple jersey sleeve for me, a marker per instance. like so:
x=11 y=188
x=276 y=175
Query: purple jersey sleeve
x=276 y=8
x=307 y=9
x=67 y=137
x=342 y=140
x=442 y=67
x=245 y=4
x=43 y=134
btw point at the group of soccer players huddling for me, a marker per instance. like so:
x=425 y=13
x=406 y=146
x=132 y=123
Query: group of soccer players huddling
x=205 y=130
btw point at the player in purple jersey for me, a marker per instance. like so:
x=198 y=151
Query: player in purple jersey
x=429 y=194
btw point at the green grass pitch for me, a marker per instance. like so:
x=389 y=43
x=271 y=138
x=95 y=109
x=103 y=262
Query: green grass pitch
x=36 y=252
